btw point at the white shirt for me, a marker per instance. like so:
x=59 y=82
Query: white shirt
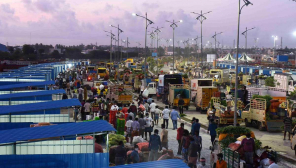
x=273 y=165
x=102 y=87
x=157 y=111
x=229 y=97
x=148 y=121
x=152 y=107
x=131 y=114
x=80 y=90
x=129 y=123
x=146 y=105
x=114 y=107
x=166 y=113
x=87 y=107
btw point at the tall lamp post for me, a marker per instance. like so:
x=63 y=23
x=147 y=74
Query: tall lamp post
x=245 y=33
x=215 y=37
x=201 y=17
x=246 y=3
x=196 y=40
x=157 y=30
x=148 y=22
x=127 y=43
x=275 y=38
x=118 y=32
x=173 y=26
x=122 y=42
x=111 y=36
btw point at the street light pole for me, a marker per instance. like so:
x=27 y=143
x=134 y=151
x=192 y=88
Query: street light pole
x=111 y=36
x=274 y=40
x=201 y=17
x=147 y=24
x=245 y=33
x=118 y=32
x=215 y=37
x=127 y=43
x=157 y=30
x=236 y=67
x=124 y=42
x=174 y=25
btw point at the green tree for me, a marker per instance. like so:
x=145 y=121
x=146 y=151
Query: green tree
x=55 y=54
x=41 y=51
x=27 y=49
x=160 y=51
x=269 y=81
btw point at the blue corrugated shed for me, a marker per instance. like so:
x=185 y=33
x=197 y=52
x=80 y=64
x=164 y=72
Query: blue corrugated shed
x=31 y=94
x=84 y=160
x=39 y=106
x=8 y=125
x=3 y=48
x=170 y=163
x=72 y=129
x=282 y=58
x=27 y=84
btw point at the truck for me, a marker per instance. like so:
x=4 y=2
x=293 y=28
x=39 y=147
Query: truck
x=224 y=111
x=123 y=94
x=177 y=91
x=203 y=97
x=261 y=117
x=163 y=84
x=102 y=72
x=194 y=83
x=220 y=75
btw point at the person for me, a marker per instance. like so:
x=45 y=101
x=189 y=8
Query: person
x=68 y=88
x=114 y=107
x=120 y=155
x=135 y=128
x=148 y=125
x=198 y=140
x=272 y=163
x=76 y=111
x=154 y=146
x=156 y=116
x=131 y=114
x=133 y=108
x=65 y=96
x=142 y=123
x=220 y=162
x=164 y=137
x=135 y=155
x=168 y=155
x=203 y=163
x=185 y=145
x=196 y=126
x=140 y=100
x=166 y=115
x=174 y=116
x=102 y=87
x=248 y=144
x=192 y=124
x=181 y=104
x=85 y=93
x=149 y=100
x=229 y=97
x=128 y=125
x=146 y=105
x=180 y=132
x=74 y=95
x=287 y=127
x=192 y=153
x=152 y=109
x=245 y=95
x=212 y=130
x=80 y=91
x=87 y=107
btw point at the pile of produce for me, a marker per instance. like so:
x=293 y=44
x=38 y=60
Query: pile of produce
x=114 y=139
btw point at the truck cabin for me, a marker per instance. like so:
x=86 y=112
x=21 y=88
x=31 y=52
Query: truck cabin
x=172 y=79
x=102 y=71
x=101 y=64
x=215 y=73
x=109 y=65
x=91 y=69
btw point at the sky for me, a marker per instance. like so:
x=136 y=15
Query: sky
x=73 y=22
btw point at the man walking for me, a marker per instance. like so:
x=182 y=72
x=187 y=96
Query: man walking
x=181 y=104
x=135 y=128
x=133 y=108
x=174 y=116
x=164 y=137
x=148 y=125
x=154 y=146
x=248 y=144
x=152 y=109
x=180 y=132
x=166 y=116
x=288 y=126
x=142 y=123
x=198 y=142
x=195 y=127
x=212 y=130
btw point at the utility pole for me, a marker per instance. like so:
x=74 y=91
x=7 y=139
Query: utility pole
x=245 y=33
x=173 y=26
x=111 y=36
x=157 y=30
x=281 y=42
x=127 y=43
x=118 y=32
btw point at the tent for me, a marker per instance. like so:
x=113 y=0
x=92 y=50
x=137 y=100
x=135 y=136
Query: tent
x=246 y=58
x=228 y=57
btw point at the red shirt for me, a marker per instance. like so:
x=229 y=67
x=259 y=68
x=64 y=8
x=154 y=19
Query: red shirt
x=248 y=145
x=180 y=133
x=124 y=110
x=98 y=148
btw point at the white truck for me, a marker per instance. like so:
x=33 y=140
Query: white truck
x=195 y=83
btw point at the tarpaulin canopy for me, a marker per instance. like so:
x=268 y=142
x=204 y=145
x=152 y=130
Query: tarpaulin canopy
x=170 y=163
x=31 y=107
x=228 y=57
x=72 y=129
x=246 y=58
x=22 y=85
x=31 y=94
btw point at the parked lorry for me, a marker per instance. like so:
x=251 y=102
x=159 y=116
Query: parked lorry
x=102 y=72
x=220 y=75
x=195 y=83
x=203 y=97
x=224 y=114
x=177 y=91
x=123 y=94
x=262 y=117
x=163 y=84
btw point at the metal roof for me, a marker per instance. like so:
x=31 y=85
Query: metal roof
x=25 y=134
x=27 y=84
x=31 y=107
x=31 y=94
x=170 y=163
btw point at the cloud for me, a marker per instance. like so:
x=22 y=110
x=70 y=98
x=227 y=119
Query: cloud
x=108 y=7
x=6 y=8
x=46 y=6
x=150 y=5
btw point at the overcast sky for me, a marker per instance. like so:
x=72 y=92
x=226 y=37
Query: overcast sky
x=72 y=22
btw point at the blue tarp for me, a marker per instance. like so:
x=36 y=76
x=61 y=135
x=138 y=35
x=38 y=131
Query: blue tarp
x=170 y=163
x=39 y=106
x=27 y=84
x=7 y=126
x=85 y=160
x=31 y=94
x=25 y=134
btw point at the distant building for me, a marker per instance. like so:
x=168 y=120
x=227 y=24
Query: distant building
x=3 y=48
x=51 y=50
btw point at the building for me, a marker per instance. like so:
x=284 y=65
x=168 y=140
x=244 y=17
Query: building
x=285 y=82
x=3 y=48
